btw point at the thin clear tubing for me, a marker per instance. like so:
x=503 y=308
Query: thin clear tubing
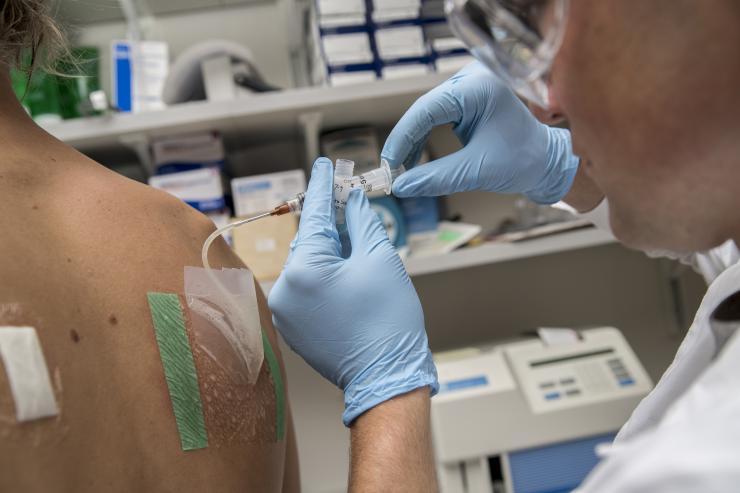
x=343 y=169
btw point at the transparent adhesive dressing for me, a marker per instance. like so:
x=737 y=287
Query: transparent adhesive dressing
x=242 y=342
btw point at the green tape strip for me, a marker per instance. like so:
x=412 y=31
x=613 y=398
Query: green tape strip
x=277 y=381
x=179 y=369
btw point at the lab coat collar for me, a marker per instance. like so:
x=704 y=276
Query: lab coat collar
x=728 y=310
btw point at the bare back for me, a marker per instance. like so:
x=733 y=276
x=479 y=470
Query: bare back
x=81 y=249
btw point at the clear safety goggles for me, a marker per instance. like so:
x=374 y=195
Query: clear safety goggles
x=516 y=39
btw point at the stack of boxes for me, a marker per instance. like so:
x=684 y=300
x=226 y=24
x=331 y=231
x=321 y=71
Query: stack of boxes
x=263 y=245
x=363 y=40
x=189 y=167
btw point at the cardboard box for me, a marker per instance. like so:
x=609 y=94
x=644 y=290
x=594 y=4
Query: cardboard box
x=263 y=245
x=189 y=151
x=337 y=79
x=348 y=48
x=200 y=188
x=340 y=7
x=401 y=70
x=401 y=41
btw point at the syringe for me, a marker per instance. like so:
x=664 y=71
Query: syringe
x=380 y=178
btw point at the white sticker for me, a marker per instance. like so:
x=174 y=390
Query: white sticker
x=263 y=245
x=28 y=376
x=556 y=336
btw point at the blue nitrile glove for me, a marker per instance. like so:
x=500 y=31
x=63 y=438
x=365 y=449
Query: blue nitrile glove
x=505 y=148
x=357 y=321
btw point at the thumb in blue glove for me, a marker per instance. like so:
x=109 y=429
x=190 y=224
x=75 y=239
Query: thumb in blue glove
x=505 y=149
x=357 y=320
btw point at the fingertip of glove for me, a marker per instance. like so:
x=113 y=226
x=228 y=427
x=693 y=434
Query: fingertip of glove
x=355 y=195
x=356 y=201
x=388 y=158
x=321 y=163
x=399 y=188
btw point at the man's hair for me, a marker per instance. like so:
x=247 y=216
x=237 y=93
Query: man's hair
x=28 y=29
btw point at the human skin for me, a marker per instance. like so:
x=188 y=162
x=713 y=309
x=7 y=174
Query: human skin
x=81 y=248
x=650 y=90
x=391 y=446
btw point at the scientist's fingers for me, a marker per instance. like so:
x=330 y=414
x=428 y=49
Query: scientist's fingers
x=437 y=107
x=366 y=231
x=317 y=228
x=456 y=172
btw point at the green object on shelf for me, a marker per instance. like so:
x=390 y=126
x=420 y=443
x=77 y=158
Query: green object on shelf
x=50 y=97
x=74 y=91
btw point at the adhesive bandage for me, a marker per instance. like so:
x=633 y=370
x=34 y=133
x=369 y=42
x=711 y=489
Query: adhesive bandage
x=179 y=369
x=27 y=373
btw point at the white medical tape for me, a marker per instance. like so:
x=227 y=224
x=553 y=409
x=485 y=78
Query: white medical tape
x=242 y=327
x=27 y=373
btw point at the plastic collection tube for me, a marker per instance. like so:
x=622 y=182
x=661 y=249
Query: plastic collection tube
x=343 y=170
x=380 y=178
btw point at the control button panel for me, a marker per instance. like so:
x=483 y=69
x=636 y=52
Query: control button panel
x=564 y=386
x=617 y=368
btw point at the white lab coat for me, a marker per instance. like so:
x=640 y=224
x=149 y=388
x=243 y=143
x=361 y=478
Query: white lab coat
x=685 y=435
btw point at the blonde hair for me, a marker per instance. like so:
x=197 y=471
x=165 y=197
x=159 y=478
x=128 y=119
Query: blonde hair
x=28 y=27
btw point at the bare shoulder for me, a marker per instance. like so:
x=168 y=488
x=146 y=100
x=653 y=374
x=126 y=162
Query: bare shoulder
x=143 y=228
x=137 y=209
x=92 y=246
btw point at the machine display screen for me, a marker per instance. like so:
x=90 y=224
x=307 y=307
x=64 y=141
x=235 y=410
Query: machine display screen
x=572 y=357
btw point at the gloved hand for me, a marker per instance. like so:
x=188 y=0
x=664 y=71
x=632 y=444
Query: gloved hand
x=505 y=148
x=357 y=321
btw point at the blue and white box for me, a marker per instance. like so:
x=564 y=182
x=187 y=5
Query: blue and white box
x=188 y=152
x=401 y=41
x=421 y=214
x=347 y=48
x=139 y=70
x=200 y=188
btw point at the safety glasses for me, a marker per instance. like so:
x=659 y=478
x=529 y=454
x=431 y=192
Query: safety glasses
x=516 y=39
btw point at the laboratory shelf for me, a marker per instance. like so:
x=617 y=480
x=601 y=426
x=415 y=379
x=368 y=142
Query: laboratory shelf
x=255 y=117
x=490 y=253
